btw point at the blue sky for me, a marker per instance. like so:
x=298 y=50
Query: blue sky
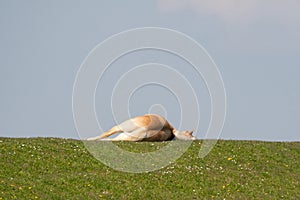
x=255 y=44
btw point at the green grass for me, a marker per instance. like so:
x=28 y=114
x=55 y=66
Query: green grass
x=49 y=168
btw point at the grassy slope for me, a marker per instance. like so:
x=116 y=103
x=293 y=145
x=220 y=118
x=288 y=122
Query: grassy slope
x=47 y=168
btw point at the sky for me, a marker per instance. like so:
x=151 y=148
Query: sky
x=255 y=45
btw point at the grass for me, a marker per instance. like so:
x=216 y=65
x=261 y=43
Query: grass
x=50 y=168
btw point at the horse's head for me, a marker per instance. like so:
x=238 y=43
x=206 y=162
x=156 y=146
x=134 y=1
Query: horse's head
x=184 y=135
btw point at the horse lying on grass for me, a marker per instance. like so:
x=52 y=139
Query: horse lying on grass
x=145 y=128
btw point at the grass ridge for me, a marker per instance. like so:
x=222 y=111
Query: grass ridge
x=56 y=168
